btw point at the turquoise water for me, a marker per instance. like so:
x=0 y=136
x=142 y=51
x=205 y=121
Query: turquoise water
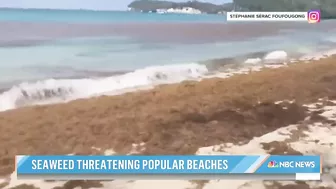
x=88 y=16
x=49 y=56
x=42 y=44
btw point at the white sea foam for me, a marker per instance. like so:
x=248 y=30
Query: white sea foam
x=318 y=55
x=276 y=57
x=253 y=61
x=62 y=90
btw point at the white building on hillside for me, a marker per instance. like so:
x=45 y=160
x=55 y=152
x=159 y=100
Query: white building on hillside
x=184 y=10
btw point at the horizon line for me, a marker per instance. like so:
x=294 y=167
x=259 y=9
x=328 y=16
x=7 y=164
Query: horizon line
x=63 y=9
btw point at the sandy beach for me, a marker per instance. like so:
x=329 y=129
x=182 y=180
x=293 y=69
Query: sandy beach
x=287 y=110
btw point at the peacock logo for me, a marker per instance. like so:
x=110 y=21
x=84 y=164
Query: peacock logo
x=272 y=164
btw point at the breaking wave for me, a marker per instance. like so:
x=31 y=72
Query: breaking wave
x=62 y=90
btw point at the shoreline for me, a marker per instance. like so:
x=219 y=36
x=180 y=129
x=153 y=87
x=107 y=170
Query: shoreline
x=64 y=89
x=185 y=118
x=97 y=83
x=57 y=89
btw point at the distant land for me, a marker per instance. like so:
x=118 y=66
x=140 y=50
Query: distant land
x=327 y=7
x=204 y=7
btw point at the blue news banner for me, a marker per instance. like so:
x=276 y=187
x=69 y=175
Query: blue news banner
x=169 y=167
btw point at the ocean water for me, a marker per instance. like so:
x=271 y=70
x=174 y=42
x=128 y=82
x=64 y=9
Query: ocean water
x=57 y=55
x=89 y=16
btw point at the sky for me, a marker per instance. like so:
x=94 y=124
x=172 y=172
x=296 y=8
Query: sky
x=80 y=4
